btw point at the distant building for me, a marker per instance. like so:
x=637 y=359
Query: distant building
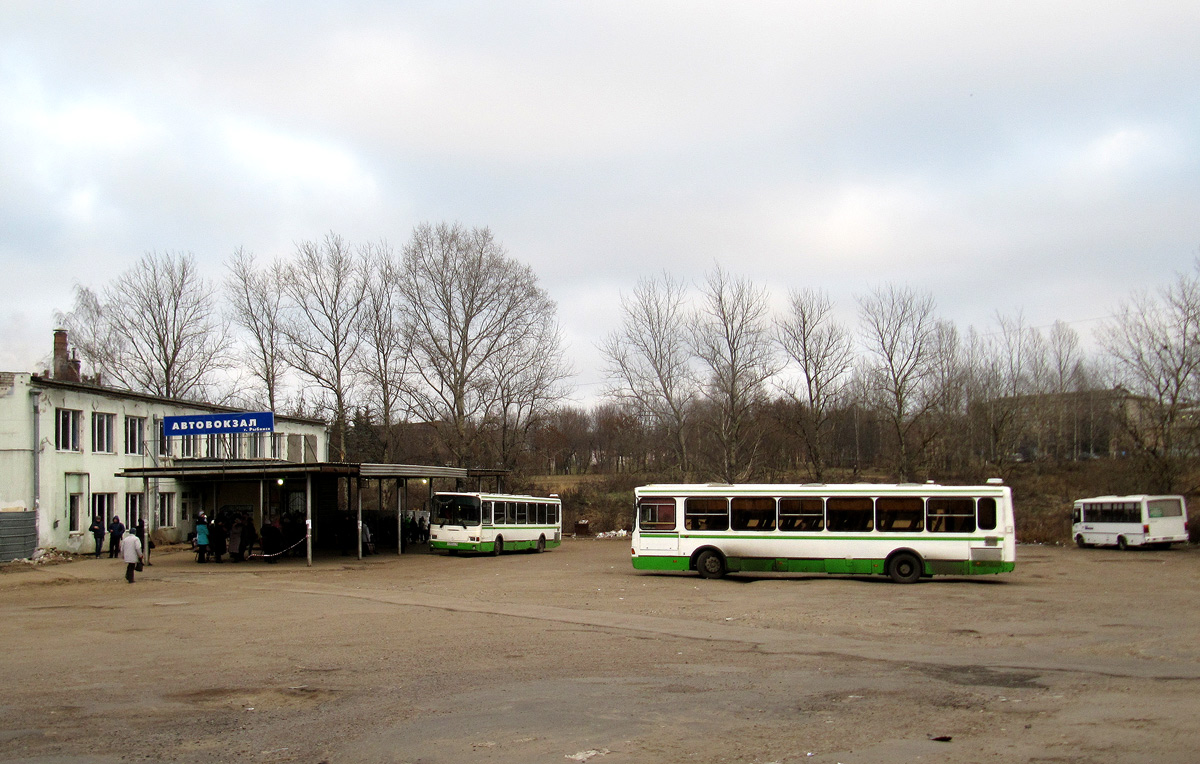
x=64 y=437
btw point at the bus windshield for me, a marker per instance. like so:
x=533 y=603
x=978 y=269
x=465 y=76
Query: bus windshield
x=456 y=510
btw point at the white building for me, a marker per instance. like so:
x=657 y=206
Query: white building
x=63 y=442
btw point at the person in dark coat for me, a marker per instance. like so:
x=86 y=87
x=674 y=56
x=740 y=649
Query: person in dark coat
x=116 y=530
x=249 y=536
x=272 y=540
x=216 y=540
x=97 y=529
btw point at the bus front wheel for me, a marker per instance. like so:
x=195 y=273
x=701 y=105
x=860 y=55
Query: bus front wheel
x=904 y=568
x=1079 y=542
x=710 y=564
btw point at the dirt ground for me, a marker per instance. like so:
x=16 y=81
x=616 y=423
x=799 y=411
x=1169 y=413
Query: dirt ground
x=572 y=656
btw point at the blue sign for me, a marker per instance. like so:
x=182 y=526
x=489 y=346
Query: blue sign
x=195 y=424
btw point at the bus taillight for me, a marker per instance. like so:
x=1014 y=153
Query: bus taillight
x=1146 y=529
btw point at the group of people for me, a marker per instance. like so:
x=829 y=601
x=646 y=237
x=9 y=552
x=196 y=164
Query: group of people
x=116 y=531
x=415 y=531
x=126 y=543
x=235 y=535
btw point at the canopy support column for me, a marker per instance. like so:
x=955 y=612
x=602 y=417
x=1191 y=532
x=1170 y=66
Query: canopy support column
x=308 y=515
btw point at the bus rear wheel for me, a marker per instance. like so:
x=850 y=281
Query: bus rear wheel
x=1122 y=544
x=904 y=568
x=498 y=547
x=710 y=564
x=541 y=544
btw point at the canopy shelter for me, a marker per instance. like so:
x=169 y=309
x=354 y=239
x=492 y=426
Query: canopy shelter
x=313 y=490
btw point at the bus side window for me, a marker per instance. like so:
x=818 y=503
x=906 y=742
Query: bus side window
x=1076 y=515
x=987 y=514
x=704 y=514
x=801 y=514
x=851 y=513
x=899 y=514
x=656 y=514
x=487 y=513
x=950 y=515
x=752 y=514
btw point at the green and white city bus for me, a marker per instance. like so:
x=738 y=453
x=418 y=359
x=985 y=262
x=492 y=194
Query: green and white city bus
x=903 y=531
x=1125 y=521
x=494 y=522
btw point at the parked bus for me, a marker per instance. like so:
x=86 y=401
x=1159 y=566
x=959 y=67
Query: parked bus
x=1125 y=521
x=494 y=522
x=902 y=531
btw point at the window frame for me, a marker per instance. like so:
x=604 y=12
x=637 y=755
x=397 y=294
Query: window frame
x=135 y=426
x=104 y=432
x=67 y=426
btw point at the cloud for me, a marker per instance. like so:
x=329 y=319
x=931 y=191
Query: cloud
x=1026 y=154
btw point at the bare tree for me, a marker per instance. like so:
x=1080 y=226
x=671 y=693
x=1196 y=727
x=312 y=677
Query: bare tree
x=899 y=330
x=649 y=360
x=386 y=353
x=824 y=351
x=326 y=285
x=256 y=304
x=529 y=381
x=156 y=329
x=1065 y=364
x=467 y=305
x=731 y=338
x=1154 y=346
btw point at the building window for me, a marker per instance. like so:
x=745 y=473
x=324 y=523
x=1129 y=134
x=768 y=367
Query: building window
x=104 y=506
x=75 y=510
x=235 y=446
x=164 y=445
x=166 y=510
x=277 y=445
x=135 y=434
x=104 y=440
x=133 y=509
x=187 y=446
x=66 y=429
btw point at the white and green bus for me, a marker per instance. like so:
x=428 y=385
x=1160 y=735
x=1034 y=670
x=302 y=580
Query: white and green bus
x=902 y=531
x=494 y=522
x=1125 y=521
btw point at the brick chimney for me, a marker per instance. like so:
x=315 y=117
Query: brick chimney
x=66 y=366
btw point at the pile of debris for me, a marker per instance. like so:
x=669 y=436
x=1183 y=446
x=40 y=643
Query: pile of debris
x=617 y=534
x=48 y=556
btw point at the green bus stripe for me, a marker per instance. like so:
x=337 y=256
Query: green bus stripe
x=826 y=565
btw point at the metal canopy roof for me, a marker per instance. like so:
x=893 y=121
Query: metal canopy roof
x=249 y=470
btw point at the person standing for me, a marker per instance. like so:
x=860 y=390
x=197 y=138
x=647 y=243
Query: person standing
x=97 y=529
x=201 y=538
x=131 y=552
x=235 y=539
x=116 y=530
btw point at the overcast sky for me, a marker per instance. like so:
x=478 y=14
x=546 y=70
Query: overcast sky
x=1037 y=156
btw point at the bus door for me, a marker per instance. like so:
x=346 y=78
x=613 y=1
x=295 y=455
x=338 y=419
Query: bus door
x=656 y=524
